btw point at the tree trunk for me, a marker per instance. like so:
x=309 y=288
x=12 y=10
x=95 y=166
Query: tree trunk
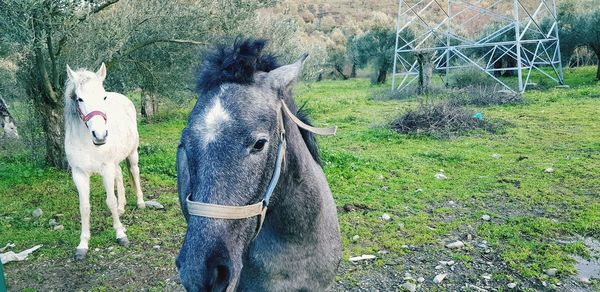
x=498 y=65
x=353 y=72
x=598 y=69
x=53 y=123
x=381 y=76
x=341 y=72
x=47 y=102
x=149 y=106
x=510 y=63
x=425 y=71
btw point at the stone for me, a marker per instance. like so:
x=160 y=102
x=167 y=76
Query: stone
x=355 y=238
x=408 y=286
x=154 y=204
x=549 y=170
x=439 y=278
x=551 y=272
x=362 y=258
x=485 y=217
x=420 y=279
x=156 y=247
x=439 y=267
x=52 y=222
x=441 y=176
x=59 y=227
x=455 y=245
x=385 y=217
x=511 y=285
x=37 y=213
x=496 y=155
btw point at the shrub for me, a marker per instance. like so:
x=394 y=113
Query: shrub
x=468 y=77
x=483 y=96
x=440 y=120
x=406 y=93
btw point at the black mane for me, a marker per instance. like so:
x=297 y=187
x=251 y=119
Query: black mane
x=234 y=64
x=237 y=64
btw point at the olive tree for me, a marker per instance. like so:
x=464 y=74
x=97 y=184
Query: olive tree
x=146 y=44
x=376 y=47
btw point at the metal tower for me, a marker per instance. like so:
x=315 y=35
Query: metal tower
x=492 y=35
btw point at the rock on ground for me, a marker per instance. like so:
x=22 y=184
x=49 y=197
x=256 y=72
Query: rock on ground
x=37 y=213
x=455 y=245
x=409 y=286
x=439 y=278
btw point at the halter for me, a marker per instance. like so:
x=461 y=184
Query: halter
x=90 y=115
x=258 y=209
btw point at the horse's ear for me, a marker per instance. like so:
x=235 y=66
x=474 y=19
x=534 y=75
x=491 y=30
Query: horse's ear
x=284 y=76
x=102 y=71
x=71 y=74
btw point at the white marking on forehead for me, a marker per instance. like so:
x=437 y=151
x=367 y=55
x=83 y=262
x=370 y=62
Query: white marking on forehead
x=215 y=116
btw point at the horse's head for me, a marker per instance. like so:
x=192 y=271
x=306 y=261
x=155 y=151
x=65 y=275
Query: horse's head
x=89 y=98
x=227 y=156
x=10 y=129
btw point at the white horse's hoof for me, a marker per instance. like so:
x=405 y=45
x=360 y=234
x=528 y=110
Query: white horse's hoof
x=141 y=205
x=80 y=253
x=123 y=241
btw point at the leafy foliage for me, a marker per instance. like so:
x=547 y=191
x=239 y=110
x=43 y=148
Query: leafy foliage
x=376 y=47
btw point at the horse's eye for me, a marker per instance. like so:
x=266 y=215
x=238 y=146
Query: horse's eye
x=80 y=99
x=259 y=145
x=105 y=97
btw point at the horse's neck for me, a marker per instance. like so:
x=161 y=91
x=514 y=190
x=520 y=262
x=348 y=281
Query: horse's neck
x=299 y=199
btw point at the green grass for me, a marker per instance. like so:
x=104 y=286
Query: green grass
x=368 y=164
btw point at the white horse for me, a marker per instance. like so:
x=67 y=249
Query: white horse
x=100 y=132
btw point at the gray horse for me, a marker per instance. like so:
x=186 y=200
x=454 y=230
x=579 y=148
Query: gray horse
x=244 y=150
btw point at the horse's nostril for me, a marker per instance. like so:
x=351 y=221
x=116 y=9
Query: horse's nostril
x=94 y=134
x=219 y=278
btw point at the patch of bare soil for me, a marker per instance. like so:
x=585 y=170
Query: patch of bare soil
x=123 y=271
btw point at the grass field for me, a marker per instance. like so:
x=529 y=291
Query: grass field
x=539 y=220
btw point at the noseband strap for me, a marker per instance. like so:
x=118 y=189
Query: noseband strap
x=90 y=115
x=260 y=208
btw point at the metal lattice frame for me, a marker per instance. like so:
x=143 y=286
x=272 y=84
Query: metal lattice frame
x=440 y=26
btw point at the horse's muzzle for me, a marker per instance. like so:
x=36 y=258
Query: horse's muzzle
x=200 y=271
x=99 y=139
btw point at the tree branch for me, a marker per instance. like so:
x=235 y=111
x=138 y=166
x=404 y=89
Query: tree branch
x=155 y=41
x=98 y=9
x=81 y=19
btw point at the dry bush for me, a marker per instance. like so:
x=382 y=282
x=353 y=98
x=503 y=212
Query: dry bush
x=406 y=93
x=441 y=120
x=470 y=76
x=483 y=96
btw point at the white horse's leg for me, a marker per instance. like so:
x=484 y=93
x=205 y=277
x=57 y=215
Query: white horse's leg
x=82 y=182
x=134 y=172
x=120 y=189
x=108 y=177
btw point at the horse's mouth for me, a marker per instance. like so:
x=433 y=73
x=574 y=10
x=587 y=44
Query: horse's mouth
x=99 y=143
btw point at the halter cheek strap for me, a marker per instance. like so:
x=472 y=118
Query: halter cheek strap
x=260 y=208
